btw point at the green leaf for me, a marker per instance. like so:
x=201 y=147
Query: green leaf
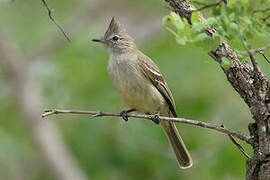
x=198 y=27
x=211 y=21
x=181 y=40
x=234 y=27
x=240 y=57
x=195 y=17
x=236 y=30
x=177 y=21
x=207 y=43
x=245 y=2
x=217 y=39
x=201 y=37
x=223 y=10
x=171 y=31
x=165 y=19
x=231 y=3
x=247 y=20
x=226 y=63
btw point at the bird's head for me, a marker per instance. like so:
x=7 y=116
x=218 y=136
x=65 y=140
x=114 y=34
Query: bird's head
x=116 y=39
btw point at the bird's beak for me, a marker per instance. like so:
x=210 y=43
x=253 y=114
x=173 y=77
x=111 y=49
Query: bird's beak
x=100 y=40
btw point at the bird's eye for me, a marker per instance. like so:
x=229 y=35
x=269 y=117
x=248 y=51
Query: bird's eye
x=115 y=38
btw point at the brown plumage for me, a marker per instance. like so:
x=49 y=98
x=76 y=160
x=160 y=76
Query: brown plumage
x=141 y=85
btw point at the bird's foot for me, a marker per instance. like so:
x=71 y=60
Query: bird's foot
x=156 y=118
x=124 y=114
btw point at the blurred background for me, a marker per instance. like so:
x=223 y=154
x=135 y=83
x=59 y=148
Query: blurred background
x=39 y=69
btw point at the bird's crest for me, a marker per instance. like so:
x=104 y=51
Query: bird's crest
x=114 y=28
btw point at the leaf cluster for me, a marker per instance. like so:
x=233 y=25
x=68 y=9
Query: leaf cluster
x=234 y=22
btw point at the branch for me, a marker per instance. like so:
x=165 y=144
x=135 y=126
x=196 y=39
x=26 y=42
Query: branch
x=261 y=10
x=237 y=134
x=53 y=19
x=254 y=88
x=254 y=51
x=264 y=18
x=211 y=5
x=238 y=145
x=251 y=56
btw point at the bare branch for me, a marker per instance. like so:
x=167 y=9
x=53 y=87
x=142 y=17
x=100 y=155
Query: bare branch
x=264 y=18
x=265 y=57
x=237 y=134
x=252 y=58
x=253 y=51
x=261 y=10
x=238 y=145
x=253 y=86
x=55 y=22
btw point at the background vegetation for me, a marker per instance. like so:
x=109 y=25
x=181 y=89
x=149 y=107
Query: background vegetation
x=73 y=75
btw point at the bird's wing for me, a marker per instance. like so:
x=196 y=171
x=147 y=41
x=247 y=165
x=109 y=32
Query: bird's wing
x=152 y=72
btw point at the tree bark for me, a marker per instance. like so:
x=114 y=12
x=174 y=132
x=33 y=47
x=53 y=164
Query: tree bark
x=253 y=87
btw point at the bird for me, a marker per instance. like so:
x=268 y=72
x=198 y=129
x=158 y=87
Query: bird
x=141 y=85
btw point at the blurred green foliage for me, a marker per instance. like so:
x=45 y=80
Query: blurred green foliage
x=74 y=76
x=235 y=21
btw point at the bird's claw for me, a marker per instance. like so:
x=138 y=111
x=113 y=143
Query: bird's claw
x=124 y=115
x=155 y=118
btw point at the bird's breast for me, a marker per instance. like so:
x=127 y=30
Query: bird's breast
x=135 y=89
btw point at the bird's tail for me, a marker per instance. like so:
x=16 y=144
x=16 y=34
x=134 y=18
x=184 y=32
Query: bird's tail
x=179 y=148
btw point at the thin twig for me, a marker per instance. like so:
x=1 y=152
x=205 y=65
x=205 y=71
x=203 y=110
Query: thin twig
x=265 y=17
x=53 y=19
x=259 y=50
x=251 y=56
x=238 y=145
x=261 y=10
x=253 y=51
x=237 y=134
x=211 y=5
x=265 y=57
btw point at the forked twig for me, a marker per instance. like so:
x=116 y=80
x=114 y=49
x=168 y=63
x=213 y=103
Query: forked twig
x=238 y=145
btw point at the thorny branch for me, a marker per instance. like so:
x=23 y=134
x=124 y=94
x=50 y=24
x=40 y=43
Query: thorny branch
x=53 y=19
x=237 y=134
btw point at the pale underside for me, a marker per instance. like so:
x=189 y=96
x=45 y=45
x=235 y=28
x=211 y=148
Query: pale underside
x=136 y=90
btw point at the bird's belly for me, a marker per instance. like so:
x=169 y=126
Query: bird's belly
x=137 y=91
x=144 y=99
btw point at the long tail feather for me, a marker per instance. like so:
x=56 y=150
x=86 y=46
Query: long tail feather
x=179 y=148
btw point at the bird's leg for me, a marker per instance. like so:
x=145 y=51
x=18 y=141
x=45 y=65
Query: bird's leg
x=124 y=114
x=156 y=118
